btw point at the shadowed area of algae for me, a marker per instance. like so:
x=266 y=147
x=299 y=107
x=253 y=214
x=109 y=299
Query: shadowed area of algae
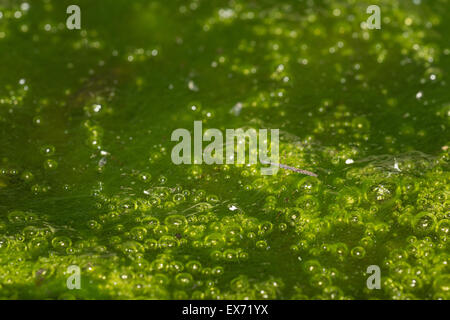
x=86 y=176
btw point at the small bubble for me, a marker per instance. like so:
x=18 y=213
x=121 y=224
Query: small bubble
x=48 y=150
x=162 y=179
x=61 y=242
x=25 y=6
x=184 y=279
x=145 y=177
x=27 y=176
x=358 y=252
x=192 y=86
x=262 y=244
x=50 y=164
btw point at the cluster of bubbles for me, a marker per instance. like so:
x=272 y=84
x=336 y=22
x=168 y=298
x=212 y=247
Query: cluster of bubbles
x=177 y=242
x=398 y=222
x=148 y=235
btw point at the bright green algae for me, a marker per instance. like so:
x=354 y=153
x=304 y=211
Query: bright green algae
x=86 y=177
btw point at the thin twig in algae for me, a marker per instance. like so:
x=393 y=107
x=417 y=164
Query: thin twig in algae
x=283 y=166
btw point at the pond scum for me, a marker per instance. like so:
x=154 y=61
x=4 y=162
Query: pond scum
x=86 y=178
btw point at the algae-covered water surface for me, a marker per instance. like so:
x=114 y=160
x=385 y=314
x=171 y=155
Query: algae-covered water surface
x=89 y=188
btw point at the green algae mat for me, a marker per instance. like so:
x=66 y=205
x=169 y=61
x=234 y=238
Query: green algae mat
x=92 y=205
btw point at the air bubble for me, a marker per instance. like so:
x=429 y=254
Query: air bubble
x=184 y=279
x=358 y=252
x=424 y=223
x=50 y=164
x=61 y=242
